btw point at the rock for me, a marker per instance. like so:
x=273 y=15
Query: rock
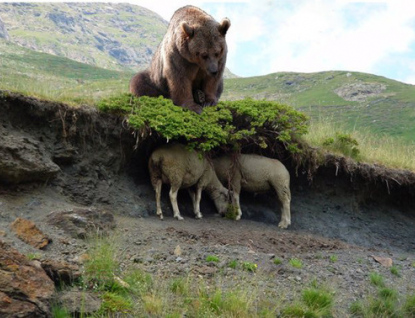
x=25 y=289
x=79 y=302
x=23 y=159
x=3 y=31
x=61 y=271
x=178 y=251
x=81 y=223
x=28 y=232
x=360 y=92
x=384 y=261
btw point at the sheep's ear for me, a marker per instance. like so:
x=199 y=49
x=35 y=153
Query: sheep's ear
x=224 y=26
x=187 y=29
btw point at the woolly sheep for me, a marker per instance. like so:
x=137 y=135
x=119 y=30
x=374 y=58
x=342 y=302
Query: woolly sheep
x=255 y=173
x=181 y=168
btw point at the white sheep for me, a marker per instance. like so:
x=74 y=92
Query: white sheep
x=255 y=173
x=175 y=165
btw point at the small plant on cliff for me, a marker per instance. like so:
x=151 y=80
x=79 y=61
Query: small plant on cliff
x=230 y=124
x=212 y=258
x=343 y=143
x=296 y=263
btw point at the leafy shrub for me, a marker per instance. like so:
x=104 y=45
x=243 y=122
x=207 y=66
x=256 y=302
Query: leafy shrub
x=230 y=123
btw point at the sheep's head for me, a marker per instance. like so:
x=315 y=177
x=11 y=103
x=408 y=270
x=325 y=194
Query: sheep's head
x=222 y=200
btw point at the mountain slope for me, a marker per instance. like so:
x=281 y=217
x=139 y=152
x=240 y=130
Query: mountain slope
x=108 y=35
x=58 y=78
x=355 y=99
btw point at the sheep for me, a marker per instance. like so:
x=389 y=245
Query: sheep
x=255 y=173
x=181 y=168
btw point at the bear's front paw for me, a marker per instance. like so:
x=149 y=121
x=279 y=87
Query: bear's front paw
x=196 y=108
x=210 y=101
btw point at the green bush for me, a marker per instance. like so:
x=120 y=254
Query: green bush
x=230 y=123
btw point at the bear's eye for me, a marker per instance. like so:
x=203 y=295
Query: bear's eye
x=216 y=54
x=205 y=56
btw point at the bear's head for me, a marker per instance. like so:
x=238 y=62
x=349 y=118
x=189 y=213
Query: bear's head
x=206 y=45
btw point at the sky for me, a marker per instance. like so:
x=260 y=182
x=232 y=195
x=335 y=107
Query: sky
x=267 y=36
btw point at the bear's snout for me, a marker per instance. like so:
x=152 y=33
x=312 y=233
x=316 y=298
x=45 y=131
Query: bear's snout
x=213 y=69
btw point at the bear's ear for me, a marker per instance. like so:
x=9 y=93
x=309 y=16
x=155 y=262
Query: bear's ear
x=224 y=26
x=187 y=29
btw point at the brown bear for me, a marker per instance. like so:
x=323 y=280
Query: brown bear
x=189 y=62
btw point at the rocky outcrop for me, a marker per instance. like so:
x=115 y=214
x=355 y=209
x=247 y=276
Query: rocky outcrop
x=23 y=159
x=29 y=233
x=25 y=289
x=360 y=92
x=3 y=31
x=81 y=223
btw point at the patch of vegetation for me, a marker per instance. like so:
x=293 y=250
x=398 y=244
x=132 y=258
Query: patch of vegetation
x=102 y=266
x=33 y=256
x=315 y=302
x=409 y=306
x=334 y=258
x=296 y=263
x=233 y=264
x=277 y=261
x=385 y=303
x=250 y=267
x=395 y=271
x=376 y=279
x=344 y=144
x=373 y=148
x=59 y=312
x=231 y=212
x=212 y=258
x=229 y=124
x=116 y=303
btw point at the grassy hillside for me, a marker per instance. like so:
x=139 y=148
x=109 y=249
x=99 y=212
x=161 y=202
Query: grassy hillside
x=119 y=37
x=377 y=112
x=108 y=35
x=356 y=100
x=56 y=78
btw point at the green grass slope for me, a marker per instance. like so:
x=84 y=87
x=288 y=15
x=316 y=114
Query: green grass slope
x=357 y=100
x=57 y=78
x=109 y=35
x=352 y=101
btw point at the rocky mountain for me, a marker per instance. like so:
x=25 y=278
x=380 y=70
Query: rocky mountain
x=3 y=31
x=112 y=36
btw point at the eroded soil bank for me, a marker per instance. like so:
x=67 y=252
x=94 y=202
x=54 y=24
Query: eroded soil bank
x=84 y=158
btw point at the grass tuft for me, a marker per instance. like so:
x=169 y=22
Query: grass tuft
x=376 y=279
x=296 y=263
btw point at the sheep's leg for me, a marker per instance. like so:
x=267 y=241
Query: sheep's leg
x=236 y=201
x=157 y=188
x=196 y=202
x=284 y=195
x=173 y=200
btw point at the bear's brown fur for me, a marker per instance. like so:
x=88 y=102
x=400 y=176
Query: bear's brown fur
x=189 y=61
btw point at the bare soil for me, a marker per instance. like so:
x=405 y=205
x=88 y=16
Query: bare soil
x=349 y=211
